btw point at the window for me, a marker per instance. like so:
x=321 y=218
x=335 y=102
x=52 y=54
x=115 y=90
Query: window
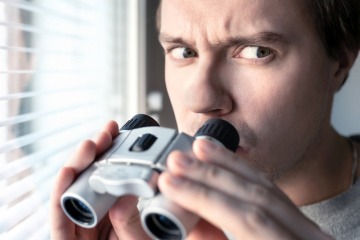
x=63 y=66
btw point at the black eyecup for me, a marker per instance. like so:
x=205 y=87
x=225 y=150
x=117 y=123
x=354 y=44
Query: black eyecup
x=138 y=121
x=222 y=131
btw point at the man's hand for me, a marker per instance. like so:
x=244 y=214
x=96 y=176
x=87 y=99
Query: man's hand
x=233 y=196
x=123 y=220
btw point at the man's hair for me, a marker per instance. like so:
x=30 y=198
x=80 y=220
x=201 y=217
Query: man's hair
x=336 y=21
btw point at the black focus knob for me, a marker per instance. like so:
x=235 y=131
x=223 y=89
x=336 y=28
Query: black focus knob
x=222 y=131
x=138 y=121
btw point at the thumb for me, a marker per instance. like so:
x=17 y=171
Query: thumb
x=205 y=230
x=125 y=218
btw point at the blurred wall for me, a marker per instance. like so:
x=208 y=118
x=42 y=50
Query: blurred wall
x=346 y=111
x=158 y=103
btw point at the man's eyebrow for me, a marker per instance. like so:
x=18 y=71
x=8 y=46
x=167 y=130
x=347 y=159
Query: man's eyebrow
x=163 y=37
x=257 y=39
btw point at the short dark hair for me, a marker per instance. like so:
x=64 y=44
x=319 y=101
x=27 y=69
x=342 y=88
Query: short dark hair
x=337 y=23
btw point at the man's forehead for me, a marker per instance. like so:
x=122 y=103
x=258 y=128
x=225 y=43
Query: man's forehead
x=208 y=8
x=215 y=18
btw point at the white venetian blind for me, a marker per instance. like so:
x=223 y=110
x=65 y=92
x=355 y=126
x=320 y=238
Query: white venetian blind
x=58 y=69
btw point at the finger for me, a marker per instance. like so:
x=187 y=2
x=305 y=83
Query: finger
x=60 y=224
x=111 y=127
x=89 y=149
x=229 y=182
x=125 y=218
x=83 y=156
x=205 y=230
x=103 y=141
x=262 y=191
x=208 y=151
x=231 y=185
x=183 y=165
x=235 y=186
x=233 y=215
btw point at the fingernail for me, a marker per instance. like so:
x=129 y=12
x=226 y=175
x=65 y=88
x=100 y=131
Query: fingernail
x=208 y=145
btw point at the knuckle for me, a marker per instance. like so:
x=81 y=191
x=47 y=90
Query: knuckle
x=201 y=191
x=212 y=172
x=262 y=194
x=256 y=215
x=87 y=145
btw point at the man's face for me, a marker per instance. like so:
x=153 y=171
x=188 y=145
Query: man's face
x=257 y=64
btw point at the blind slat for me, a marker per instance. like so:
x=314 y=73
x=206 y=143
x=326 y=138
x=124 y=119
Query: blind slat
x=42 y=93
x=39 y=51
x=28 y=184
x=22 y=210
x=31 y=29
x=46 y=71
x=19 y=49
x=62 y=14
x=37 y=136
x=32 y=228
x=37 y=115
x=57 y=68
x=15 y=167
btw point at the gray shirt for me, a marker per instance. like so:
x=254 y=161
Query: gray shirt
x=338 y=216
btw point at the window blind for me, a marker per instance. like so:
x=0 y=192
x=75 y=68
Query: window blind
x=59 y=63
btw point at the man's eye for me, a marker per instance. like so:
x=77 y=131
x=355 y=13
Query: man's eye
x=182 y=53
x=255 y=52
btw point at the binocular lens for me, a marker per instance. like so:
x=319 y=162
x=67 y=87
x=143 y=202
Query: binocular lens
x=162 y=227
x=78 y=211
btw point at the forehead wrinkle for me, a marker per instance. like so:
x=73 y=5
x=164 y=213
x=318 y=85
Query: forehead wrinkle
x=197 y=20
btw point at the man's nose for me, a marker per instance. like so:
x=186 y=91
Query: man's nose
x=209 y=91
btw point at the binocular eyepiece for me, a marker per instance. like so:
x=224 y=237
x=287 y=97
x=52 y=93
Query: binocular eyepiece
x=131 y=167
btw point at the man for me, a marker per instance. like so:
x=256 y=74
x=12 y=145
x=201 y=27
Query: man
x=271 y=68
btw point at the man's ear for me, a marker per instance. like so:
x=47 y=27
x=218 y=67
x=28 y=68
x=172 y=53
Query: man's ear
x=345 y=61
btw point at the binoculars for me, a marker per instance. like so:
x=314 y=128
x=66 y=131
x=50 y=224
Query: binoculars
x=131 y=167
